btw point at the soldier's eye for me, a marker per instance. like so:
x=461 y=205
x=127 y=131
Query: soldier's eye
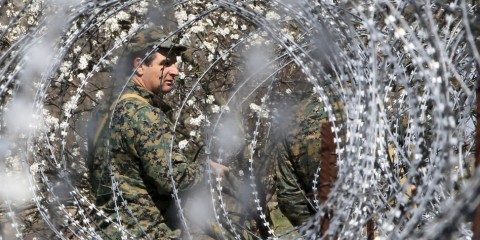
x=166 y=62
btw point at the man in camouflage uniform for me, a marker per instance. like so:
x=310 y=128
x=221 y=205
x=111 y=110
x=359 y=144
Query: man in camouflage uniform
x=306 y=145
x=130 y=176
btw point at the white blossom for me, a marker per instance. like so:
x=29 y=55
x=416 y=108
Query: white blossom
x=215 y=108
x=122 y=16
x=223 y=31
x=272 y=16
x=114 y=59
x=52 y=137
x=210 y=57
x=81 y=76
x=179 y=59
x=191 y=101
x=210 y=99
x=183 y=144
x=181 y=75
x=83 y=62
x=65 y=67
x=51 y=122
x=142 y=7
x=263 y=99
x=34 y=168
x=192 y=17
x=31 y=20
x=197 y=29
x=226 y=108
x=225 y=15
x=399 y=32
x=99 y=95
x=263 y=113
x=209 y=21
x=210 y=46
x=199 y=120
x=196 y=121
x=181 y=17
x=256 y=8
x=112 y=25
x=288 y=34
x=69 y=106
x=254 y=107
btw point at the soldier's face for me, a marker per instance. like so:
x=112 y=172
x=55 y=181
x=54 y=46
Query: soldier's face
x=160 y=74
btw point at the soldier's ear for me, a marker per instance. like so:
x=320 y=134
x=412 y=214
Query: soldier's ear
x=137 y=64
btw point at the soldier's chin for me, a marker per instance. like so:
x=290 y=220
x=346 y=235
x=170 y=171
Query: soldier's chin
x=167 y=88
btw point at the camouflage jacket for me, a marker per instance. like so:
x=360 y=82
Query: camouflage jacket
x=137 y=147
x=307 y=144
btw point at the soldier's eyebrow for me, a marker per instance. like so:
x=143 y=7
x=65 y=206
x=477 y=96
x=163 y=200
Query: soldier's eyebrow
x=164 y=61
x=167 y=61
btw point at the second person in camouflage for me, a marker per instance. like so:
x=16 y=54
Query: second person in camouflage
x=306 y=145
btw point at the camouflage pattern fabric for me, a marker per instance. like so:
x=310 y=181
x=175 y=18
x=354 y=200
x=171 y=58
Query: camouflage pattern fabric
x=149 y=37
x=307 y=145
x=137 y=145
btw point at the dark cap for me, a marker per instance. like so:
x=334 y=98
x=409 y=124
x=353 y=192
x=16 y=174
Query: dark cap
x=148 y=37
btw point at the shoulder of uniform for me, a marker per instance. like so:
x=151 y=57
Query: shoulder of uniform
x=133 y=98
x=145 y=110
x=130 y=107
x=132 y=104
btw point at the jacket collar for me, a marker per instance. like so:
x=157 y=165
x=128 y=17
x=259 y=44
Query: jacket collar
x=152 y=98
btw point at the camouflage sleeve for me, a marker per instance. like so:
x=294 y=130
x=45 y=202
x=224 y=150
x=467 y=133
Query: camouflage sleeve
x=152 y=136
x=291 y=199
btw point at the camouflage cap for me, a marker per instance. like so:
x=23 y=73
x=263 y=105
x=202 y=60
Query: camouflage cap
x=148 y=37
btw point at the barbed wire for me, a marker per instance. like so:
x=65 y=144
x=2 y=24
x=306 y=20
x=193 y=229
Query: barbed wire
x=404 y=72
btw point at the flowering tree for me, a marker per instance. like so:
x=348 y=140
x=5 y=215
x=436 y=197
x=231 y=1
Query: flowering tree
x=404 y=73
